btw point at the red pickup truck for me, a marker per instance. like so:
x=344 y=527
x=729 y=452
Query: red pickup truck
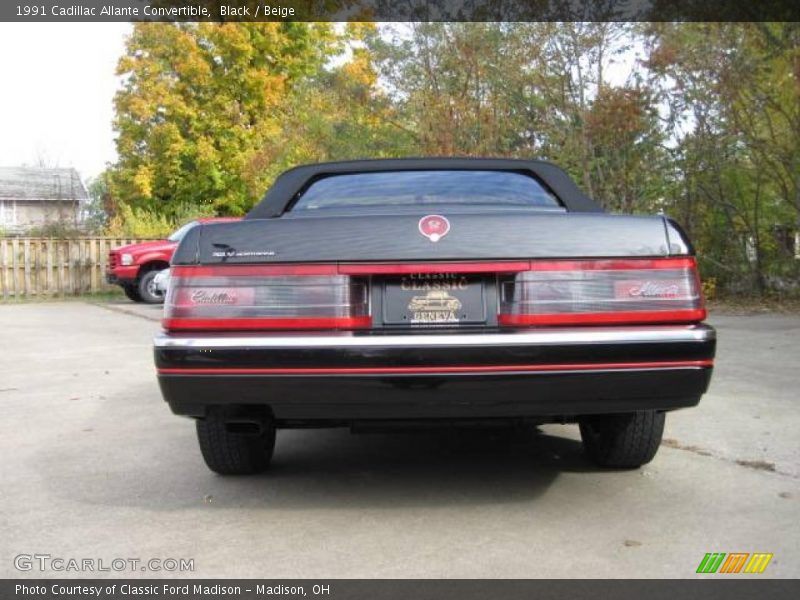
x=135 y=266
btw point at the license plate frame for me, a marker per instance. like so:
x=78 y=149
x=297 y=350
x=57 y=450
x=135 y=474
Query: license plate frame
x=423 y=300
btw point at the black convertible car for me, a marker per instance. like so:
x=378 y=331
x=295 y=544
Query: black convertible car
x=417 y=292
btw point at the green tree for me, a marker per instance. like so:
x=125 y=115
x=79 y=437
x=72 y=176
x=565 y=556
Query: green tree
x=705 y=128
x=198 y=104
x=339 y=113
x=535 y=90
x=734 y=95
x=98 y=209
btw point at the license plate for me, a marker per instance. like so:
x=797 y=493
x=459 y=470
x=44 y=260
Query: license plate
x=433 y=299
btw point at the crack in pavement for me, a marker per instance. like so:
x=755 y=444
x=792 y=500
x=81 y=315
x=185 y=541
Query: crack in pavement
x=758 y=465
x=125 y=311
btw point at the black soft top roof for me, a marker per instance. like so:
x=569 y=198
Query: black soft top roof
x=289 y=184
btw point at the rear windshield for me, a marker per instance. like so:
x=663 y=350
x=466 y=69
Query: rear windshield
x=420 y=188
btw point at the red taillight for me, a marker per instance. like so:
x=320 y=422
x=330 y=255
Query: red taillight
x=329 y=296
x=603 y=292
x=264 y=297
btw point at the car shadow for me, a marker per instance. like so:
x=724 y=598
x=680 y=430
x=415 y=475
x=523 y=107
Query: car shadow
x=331 y=469
x=129 y=453
x=435 y=468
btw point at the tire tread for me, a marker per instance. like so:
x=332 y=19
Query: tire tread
x=229 y=453
x=624 y=441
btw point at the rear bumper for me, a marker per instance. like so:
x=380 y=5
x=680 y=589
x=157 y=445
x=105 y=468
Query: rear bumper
x=341 y=376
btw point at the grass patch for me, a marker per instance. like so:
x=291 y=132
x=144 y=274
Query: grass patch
x=103 y=296
x=753 y=305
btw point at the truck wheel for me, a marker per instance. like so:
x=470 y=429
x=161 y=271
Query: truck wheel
x=147 y=288
x=623 y=441
x=132 y=293
x=231 y=450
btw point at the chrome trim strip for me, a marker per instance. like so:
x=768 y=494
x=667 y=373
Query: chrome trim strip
x=549 y=337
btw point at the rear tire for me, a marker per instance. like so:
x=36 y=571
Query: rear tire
x=147 y=289
x=623 y=441
x=235 y=453
x=132 y=293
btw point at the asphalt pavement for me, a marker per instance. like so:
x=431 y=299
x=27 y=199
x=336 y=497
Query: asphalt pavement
x=96 y=467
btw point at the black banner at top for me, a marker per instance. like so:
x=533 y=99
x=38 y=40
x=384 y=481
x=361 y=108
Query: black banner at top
x=398 y=10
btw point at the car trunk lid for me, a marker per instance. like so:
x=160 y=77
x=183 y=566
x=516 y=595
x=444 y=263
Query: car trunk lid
x=470 y=236
x=431 y=271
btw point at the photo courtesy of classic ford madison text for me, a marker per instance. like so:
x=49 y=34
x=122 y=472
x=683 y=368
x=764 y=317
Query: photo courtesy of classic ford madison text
x=400 y=300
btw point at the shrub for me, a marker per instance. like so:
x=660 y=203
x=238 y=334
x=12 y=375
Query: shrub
x=710 y=288
x=138 y=223
x=148 y=224
x=57 y=230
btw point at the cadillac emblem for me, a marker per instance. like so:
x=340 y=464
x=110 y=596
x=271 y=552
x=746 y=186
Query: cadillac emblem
x=434 y=227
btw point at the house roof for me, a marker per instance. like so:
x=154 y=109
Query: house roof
x=42 y=184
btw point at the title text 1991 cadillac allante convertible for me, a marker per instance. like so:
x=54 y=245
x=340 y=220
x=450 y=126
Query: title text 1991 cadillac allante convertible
x=432 y=291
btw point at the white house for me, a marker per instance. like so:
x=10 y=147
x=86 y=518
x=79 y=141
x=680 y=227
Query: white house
x=35 y=196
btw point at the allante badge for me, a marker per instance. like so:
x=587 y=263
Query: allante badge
x=434 y=227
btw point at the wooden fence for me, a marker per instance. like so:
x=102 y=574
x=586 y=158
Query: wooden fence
x=42 y=267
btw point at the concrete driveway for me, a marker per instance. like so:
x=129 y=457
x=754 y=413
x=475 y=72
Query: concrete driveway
x=95 y=466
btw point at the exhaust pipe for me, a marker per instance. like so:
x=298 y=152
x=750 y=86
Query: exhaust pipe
x=244 y=426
